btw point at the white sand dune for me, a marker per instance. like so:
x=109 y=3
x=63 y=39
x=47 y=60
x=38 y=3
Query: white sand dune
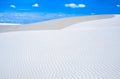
x=112 y=22
x=63 y=54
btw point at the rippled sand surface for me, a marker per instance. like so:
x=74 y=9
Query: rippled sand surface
x=61 y=54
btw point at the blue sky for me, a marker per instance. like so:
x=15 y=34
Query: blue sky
x=62 y=6
x=30 y=11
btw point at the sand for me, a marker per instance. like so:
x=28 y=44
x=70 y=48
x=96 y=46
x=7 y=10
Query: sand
x=106 y=23
x=62 y=54
x=59 y=23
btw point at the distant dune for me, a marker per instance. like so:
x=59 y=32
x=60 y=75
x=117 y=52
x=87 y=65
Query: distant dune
x=67 y=23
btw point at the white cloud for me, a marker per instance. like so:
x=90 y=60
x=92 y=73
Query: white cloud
x=118 y=5
x=12 y=6
x=35 y=5
x=73 y=5
x=81 y=5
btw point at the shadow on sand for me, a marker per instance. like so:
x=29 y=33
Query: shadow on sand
x=53 y=24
